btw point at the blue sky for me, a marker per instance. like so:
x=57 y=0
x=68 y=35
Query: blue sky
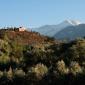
x=34 y=13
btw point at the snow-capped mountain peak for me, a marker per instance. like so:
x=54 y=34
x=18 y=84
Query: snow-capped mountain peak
x=67 y=23
x=72 y=22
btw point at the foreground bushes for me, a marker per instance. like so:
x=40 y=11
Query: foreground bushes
x=58 y=74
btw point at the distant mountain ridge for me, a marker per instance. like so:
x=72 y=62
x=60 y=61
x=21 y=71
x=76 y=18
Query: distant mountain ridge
x=52 y=30
x=71 y=32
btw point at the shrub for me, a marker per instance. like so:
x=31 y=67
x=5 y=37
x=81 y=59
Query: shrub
x=40 y=70
x=10 y=73
x=4 y=59
x=75 y=68
x=61 y=67
x=1 y=74
x=19 y=73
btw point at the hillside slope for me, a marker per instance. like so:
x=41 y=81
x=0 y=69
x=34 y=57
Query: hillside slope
x=24 y=37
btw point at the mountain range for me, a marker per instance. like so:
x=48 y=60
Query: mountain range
x=68 y=29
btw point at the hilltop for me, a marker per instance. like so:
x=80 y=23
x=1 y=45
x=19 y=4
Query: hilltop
x=22 y=36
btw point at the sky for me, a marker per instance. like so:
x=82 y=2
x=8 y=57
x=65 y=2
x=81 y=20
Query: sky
x=35 y=13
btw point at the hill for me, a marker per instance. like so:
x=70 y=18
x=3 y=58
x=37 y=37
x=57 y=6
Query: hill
x=28 y=58
x=23 y=37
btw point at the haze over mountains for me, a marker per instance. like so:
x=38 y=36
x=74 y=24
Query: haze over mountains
x=68 y=29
